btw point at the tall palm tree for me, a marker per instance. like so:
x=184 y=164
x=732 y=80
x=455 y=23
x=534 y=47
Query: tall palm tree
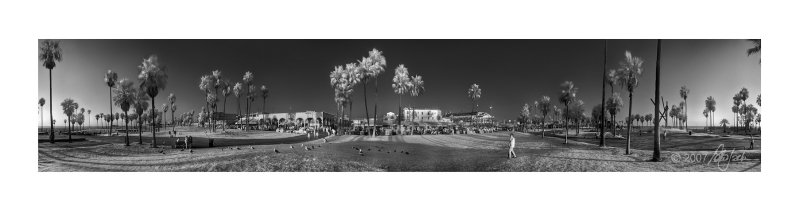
x=152 y=79
x=705 y=114
x=41 y=115
x=237 y=91
x=400 y=84
x=416 y=87
x=49 y=54
x=171 y=98
x=711 y=106
x=602 y=105
x=89 y=112
x=568 y=95
x=370 y=67
x=248 y=80
x=544 y=108
x=656 y=104
x=69 y=106
x=474 y=93
x=755 y=49
x=207 y=86
x=125 y=96
x=630 y=70
x=226 y=91
x=97 y=118
x=217 y=77
x=264 y=96
x=111 y=81
x=684 y=94
x=743 y=95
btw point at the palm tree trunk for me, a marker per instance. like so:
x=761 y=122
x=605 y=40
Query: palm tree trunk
x=544 y=116
x=140 y=129
x=127 y=141
x=630 y=108
x=566 y=122
x=603 y=99
x=69 y=128
x=52 y=130
x=224 y=106
x=153 y=120
x=657 y=118
x=111 y=108
x=366 y=107
x=375 y=110
x=399 y=114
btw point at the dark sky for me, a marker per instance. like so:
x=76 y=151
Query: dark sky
x=509 y=72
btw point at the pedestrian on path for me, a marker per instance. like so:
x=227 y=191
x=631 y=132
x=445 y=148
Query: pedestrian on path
x=511 y=147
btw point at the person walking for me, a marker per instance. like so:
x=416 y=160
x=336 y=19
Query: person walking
x=511 y=147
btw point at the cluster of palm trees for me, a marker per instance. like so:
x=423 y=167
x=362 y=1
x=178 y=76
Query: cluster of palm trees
x=745 y=114
x=344 y=79
x=403 y=84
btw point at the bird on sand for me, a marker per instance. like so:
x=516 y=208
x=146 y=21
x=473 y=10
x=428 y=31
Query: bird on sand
x=191 y=151
x=251 y=147
x=307 y=148
x=291 y=146
x=275 y=150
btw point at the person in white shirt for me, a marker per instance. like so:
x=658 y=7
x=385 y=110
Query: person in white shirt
x=511 y=147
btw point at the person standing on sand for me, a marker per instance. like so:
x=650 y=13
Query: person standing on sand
x=511 y=147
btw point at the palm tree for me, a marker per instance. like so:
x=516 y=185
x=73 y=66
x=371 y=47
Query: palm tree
x=248 y=80
x=89 y=112
x=171 y=98
x=568 y=95
x=417 y=87
x=723 y=123
x=705 y=114
x=545 y=108
x=614 y=104
x=49 y=54
x=525 y=113
x=69 y=106
x=152 y=79
x=371 y=67
x=656 y=103
x=474 y=93
x=207 y=86
x=755 y=49
x=125 y=96
x=264 y=96
x=226 y=91
x=400 y=83
x=97 y=118
x=648 y=118
x=711 y=106
x=140 y=105
x=83 y=111
x=684 y=94
x=743 y=95
x=737 y=101
x=237 y=91
x=111 y=81
x=603 y=105
x=41 y=115
x=629 y=72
